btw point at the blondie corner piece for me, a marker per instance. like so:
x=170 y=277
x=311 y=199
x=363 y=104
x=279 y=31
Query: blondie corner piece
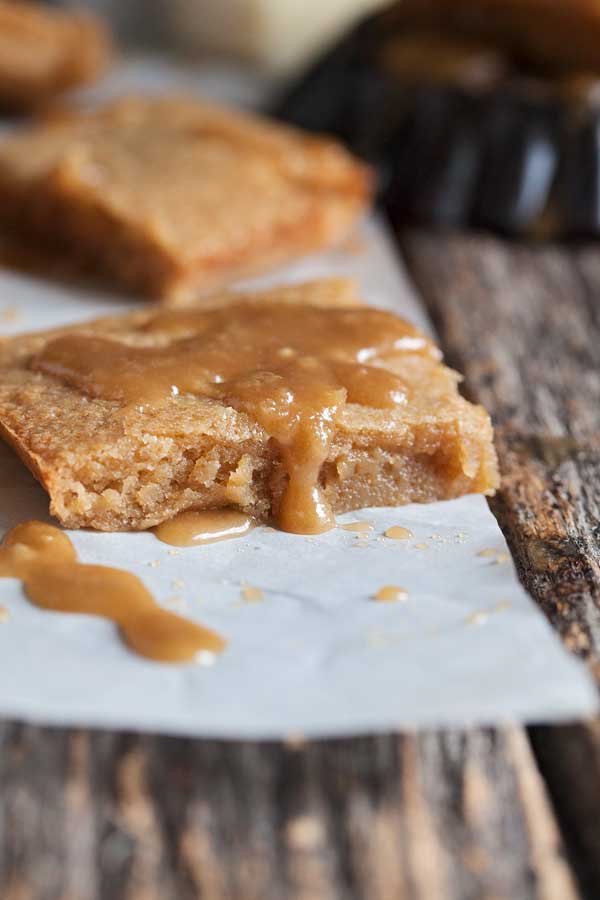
x=44 y=51
x=259 y=402
x=171 y=197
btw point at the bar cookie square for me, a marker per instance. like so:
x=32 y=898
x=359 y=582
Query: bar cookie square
x=45 y=51
x=171 y=197
x=286 y=404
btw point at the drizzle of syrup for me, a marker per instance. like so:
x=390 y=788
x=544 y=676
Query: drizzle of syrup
x=391 y=594
x=398 y=533
x=497 y=556
x=45 y=560
x=252 y=594
x=291 y=368
x=194 y=527
x=361 y=527
x=481 y=616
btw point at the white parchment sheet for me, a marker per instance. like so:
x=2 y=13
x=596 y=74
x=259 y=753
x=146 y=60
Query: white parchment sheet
x=316 y=655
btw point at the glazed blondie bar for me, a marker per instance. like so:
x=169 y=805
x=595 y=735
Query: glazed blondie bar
x=287 y=410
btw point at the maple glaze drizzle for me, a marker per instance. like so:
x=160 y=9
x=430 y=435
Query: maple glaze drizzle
x=195 y=527
x=398 y=533
x=361 y=527
x=45 y=560
x=291 y=368
x=497 y=556
x=390 y=593
x=252 y=594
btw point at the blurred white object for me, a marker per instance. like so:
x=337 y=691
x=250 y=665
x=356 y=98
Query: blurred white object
x=275 y=34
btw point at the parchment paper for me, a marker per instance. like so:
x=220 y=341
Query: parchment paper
x=317 y=655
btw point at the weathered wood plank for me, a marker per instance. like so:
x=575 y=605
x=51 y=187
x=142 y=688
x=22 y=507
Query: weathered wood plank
x=453 y=815
x=519 y=323
x=569 y=758
x=523 y=324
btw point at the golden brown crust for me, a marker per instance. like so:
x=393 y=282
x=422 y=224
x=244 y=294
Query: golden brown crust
x=45 y=51
x=112 y=472
x=171 y=196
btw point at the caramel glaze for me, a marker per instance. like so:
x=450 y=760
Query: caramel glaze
x=290 y=368
x=391 y=594
x=191 y=528
x=45 y=560
x=398 y=533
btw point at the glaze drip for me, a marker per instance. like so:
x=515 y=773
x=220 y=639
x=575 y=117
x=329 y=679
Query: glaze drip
x=45 y=560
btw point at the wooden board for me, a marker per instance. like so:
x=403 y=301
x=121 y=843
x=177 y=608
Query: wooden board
x=485 y=813
x=523 y=324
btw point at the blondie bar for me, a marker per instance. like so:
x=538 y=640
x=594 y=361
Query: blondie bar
x=171 y=196
x=44 y=51
x=287 y=410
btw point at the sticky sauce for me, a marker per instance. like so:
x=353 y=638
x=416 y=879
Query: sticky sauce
x=45 y=560
x=502 y=606
x=292 y=369
x=391 y=594
x=398 y=533
x=496 y=556
x=192 y=528
x=9 y=314
x=361 y=527
x=252 y=594
x=481 y=616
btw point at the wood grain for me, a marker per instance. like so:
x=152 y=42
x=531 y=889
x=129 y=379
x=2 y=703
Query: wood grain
x=523 y=324
x=452 y=815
